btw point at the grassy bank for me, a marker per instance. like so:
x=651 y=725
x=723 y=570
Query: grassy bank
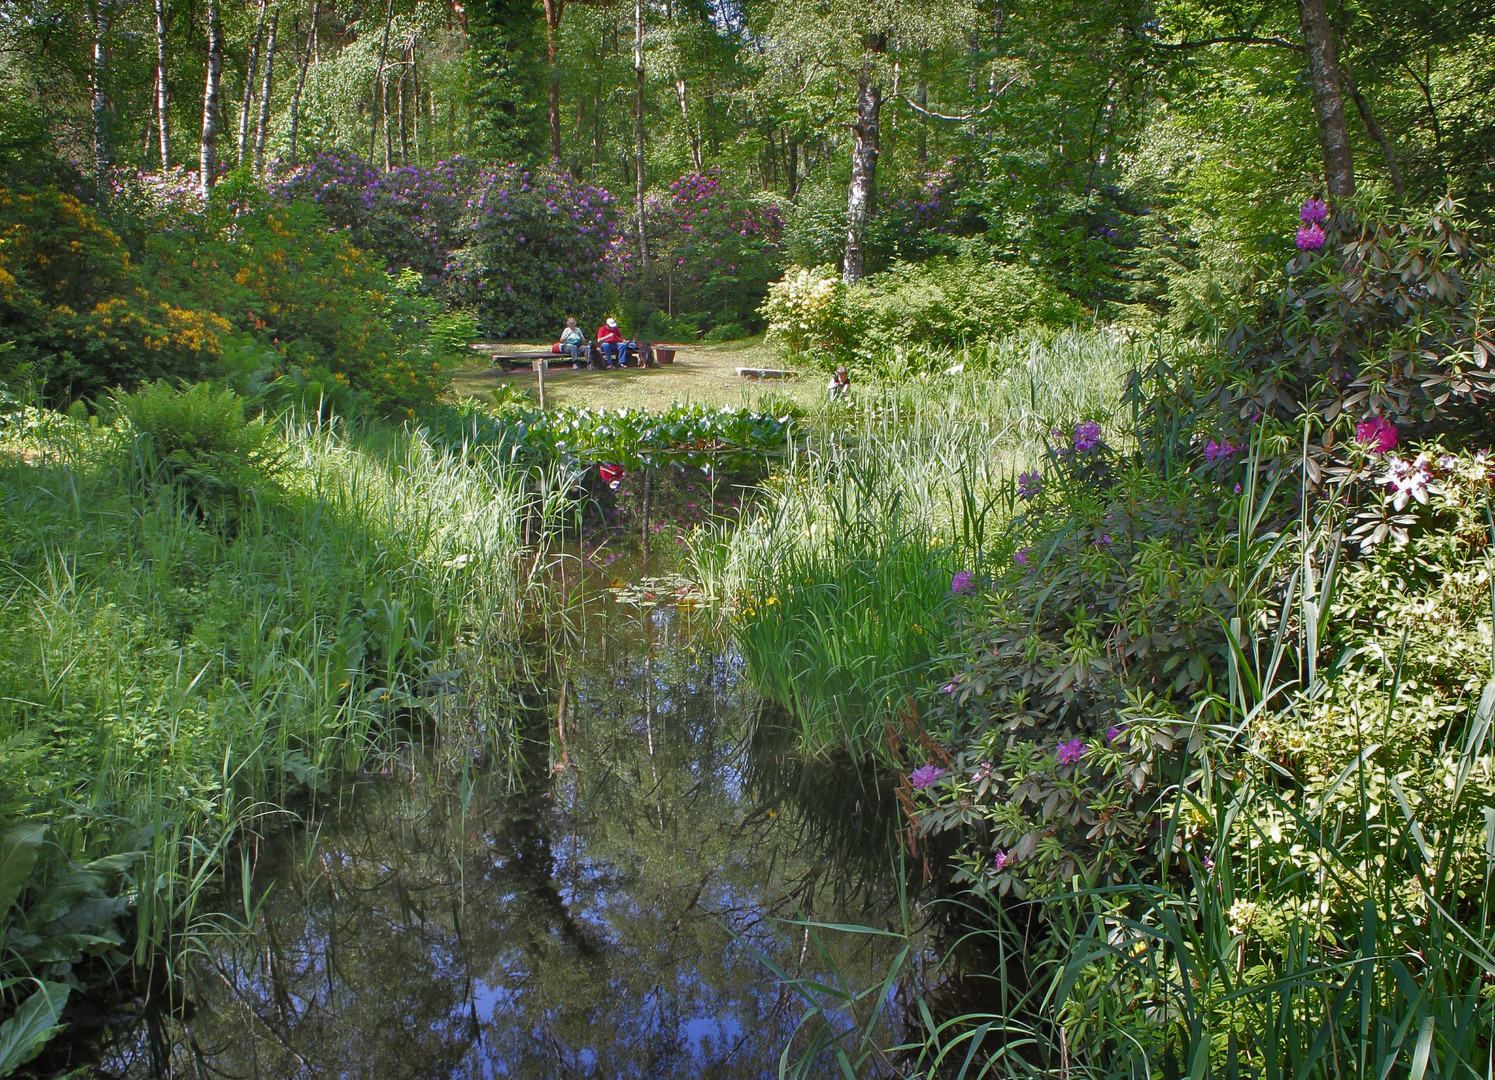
x=205 y=623
x=839 y=584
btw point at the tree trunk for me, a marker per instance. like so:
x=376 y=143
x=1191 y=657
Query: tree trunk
x=249 y=69
x=374 y=93
x=552 y=34
x=1374 y=130
x=711 y=137
x=103 y=157
x=861 y=197
x=162 y=100
x=921 y=96
x=415 y=103
x=695 y=143
x=311 y=44
x=793 y=168
x=208 y=161
x=266 y=86
x=1328 y=103
x=384 y=110
x=400 y=118
x=638 y=67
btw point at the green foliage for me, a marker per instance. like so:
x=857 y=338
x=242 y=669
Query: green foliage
x=725 y=332
x=83 y=316
x=507 y=85
x=198 y=441
x=942 y=304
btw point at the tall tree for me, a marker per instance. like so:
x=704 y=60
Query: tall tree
x=1328 y=101
x=250 y=66
x=506 y=38
x=638 y=159
x=265 y=87
x=379 y=90
x=553 y=9
x=163 y=102
x=103 y=151
x=208 y=160
x=311 y=45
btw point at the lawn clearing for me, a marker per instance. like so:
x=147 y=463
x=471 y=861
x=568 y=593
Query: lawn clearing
x=701 y=374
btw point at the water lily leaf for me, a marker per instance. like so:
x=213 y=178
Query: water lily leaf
x=19 y=849
x=35 y=1022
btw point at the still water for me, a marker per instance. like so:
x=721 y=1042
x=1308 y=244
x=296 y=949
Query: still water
x=613 y=915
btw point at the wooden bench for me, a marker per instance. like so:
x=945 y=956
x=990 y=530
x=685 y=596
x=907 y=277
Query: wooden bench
x=519 y=361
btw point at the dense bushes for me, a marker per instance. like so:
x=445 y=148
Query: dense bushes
x=939 y=304
x=522 y=250
x=81 y=312
x=715 y=251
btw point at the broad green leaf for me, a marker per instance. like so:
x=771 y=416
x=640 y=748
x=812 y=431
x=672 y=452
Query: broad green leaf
x=24 y=1034
x=19 y=849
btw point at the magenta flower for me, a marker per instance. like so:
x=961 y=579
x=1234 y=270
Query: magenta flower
x=1310 y=238
x=1087 y=436
x=926 y=776
x=1000 y=859
x=981 y=772
x=1069 y=753
x=1029 y=484
x=1020 y=556
x=1315 y=211
x=962 y=583
x=1376 y=434
x=1112 y=734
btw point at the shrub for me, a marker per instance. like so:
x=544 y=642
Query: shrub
x=937 y=305
x=953 y=302
x=716 y=250
x=79 y=310
x=409 y=218
x=726 y=332
x=534 y=251
x=805 y=313
x=198 y=441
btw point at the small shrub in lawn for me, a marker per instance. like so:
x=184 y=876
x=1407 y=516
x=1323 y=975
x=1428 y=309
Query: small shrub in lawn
x=725 y=332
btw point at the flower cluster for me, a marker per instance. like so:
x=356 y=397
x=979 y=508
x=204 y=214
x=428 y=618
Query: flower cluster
x=926 y=776
x=963 y=583
x=1219 y=451
x=1087 y=437
x=1029 y=485
x=1407 y=479
x=1376 y=434
x=1311 y=235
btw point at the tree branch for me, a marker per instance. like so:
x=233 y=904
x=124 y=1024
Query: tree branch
x=931 y=114
x=1235 y=39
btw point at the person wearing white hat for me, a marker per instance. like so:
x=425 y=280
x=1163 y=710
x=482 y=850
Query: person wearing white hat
x=610 y=341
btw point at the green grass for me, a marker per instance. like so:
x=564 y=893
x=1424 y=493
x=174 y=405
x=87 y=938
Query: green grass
x=838 y=586
x=700 y=375
x=171 y=681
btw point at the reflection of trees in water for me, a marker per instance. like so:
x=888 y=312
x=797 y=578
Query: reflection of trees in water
x=567 y=925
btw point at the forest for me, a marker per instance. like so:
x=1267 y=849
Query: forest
x=1096 y=678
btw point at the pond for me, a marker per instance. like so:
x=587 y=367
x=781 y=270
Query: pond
x=612 y=913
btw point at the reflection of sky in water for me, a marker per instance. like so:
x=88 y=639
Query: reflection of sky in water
x=574 y=926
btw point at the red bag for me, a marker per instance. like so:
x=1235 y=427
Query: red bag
x=556 y=347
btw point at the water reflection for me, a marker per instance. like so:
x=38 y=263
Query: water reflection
x=599 y=920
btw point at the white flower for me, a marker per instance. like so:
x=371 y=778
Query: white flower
x=1407 y=479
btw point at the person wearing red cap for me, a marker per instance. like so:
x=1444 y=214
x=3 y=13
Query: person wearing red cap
x=610 y=341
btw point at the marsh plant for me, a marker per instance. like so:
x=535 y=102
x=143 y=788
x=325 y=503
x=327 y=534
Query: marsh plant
x=171 y=686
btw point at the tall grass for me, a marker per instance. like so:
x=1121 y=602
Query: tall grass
x=838 y=585
x=169 y=683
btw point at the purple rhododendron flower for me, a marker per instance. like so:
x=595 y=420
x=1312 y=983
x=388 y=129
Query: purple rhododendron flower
x=1020 y=556
x=962 y=583
x=1087 y=436
x=1071 y=752
x=1029 y=484
x=1310 y=238
x=1376 y=434
x=1315 y=211
x=926 y=776
x=1000 y=859
x=1218 y=451
x=982 y=772
x=1112 y=734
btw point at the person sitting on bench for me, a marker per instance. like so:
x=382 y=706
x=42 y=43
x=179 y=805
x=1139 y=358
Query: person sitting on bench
x=572 y=340
x=610 y=341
